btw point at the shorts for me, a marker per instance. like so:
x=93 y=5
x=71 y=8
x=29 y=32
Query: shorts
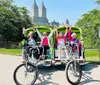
x=61 y=46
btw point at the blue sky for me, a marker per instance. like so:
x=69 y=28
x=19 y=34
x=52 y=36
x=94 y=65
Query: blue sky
x=59 y=10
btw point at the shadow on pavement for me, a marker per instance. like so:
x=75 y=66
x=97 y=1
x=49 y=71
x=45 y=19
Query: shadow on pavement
x=87 y=74
x=48 y=72
x=46 y=83
x=89 y=67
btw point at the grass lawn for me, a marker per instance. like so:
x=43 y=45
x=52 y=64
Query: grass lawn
x=10 y=51
x=90 y=55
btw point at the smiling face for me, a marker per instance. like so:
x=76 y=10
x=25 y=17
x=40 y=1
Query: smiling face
x=45 y=34
x=30 y=35
x=60 y=35
x=74 y=35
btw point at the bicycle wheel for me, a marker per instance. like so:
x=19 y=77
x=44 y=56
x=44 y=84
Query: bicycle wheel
x=25 y=74
x=73 y=73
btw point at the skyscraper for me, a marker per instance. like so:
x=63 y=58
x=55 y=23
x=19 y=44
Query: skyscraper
x=40 y=19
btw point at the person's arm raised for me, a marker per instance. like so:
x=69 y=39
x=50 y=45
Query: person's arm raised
x=66 y=31
x=51 y=33
x=55 y=27
x=38 y=32
x=70 y=27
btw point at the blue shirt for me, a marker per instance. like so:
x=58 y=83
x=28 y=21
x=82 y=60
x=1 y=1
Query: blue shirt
x=31 y=42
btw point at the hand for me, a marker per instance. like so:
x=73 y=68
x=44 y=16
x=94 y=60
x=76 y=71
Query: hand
x=66 y=26
x=70 y=27
x=55 y=27
x=24 y=30
x=35 y=27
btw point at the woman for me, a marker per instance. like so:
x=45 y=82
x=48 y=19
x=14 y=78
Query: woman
x=61 y=41
x=30 y=41
x=73 y=39
x=44 y=41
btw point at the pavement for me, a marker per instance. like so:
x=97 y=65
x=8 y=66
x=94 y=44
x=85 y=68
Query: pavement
x=48 y=75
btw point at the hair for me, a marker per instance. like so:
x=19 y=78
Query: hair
x=45 y=32
x=30 y=33
x=60 y=33
x=74 y=34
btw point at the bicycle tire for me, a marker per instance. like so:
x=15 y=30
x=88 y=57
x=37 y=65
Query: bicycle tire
x=36 y=74
x=80 y=73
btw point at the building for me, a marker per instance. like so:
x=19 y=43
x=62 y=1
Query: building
x=39 y=16
x=67 y=22
x=54 y=23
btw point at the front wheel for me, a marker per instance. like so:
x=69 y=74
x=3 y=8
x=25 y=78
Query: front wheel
x=25 y=74
x=73 y=73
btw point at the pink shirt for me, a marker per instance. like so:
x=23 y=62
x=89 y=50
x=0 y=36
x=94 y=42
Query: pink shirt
x=69 y=35
x=45 y=41
x=58 y=39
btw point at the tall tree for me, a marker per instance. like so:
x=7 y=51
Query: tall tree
x=90 y=23
x=98 y=2
x=12 y=19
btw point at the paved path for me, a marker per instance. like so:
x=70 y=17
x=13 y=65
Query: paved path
x=52 y=76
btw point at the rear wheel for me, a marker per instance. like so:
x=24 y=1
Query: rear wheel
x=25 y=74
x=73 y=73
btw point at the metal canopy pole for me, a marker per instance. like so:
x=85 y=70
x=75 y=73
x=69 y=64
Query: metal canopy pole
x=99 y=44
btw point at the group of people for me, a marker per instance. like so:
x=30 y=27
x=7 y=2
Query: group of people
x=60 y=40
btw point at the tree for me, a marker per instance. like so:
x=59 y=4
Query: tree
x=90 y=23
x=98 y=2
x=12 y=19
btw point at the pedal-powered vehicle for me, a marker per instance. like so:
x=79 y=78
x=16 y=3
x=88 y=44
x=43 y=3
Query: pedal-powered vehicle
x=59 y=61
x=27 y=73
x=73 y=68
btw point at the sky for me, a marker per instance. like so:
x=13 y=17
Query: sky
x=59 y=10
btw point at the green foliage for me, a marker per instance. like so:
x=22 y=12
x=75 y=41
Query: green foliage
x=90 y=24
x=12 y=19
x=98 y=2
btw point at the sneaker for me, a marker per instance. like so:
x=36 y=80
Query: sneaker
x=81 y=58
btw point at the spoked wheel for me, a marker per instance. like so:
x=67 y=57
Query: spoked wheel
x=25 y=74
x=73 y=73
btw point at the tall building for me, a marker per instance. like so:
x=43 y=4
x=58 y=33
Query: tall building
x=40 y=19
x=67 y=22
